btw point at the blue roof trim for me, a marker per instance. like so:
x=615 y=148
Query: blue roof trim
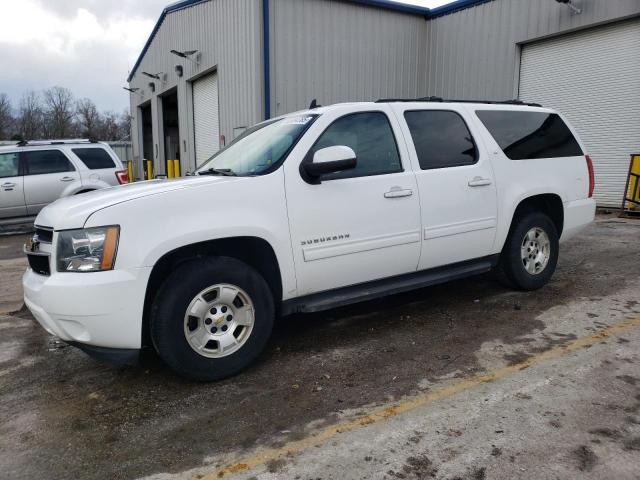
x=390 y=5
x=387 y=4
x=455 y=7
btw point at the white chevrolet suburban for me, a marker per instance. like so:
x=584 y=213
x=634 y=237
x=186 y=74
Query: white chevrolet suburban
x=306 y=212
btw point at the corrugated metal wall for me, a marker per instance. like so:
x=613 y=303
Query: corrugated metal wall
x=338 y=51
x=228 y=34
x=473 y=53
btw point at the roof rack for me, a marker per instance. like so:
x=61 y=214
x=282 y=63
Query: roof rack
x=443 y=100
x=37 y=143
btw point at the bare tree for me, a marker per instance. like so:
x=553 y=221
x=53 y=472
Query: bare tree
x=110 y=130
x=30 y=116
x=89 y=118
x=59 y=112
x=6 y=116
x=124 y=125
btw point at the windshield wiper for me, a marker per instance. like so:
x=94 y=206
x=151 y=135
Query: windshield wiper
x=227 y=172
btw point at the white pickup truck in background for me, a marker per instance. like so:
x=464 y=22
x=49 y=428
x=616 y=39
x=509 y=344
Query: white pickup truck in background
x=305 y=212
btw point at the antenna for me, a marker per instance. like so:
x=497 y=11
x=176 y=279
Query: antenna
x=314 y=104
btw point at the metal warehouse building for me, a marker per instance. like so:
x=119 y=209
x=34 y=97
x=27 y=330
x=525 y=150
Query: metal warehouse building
x=237 y=62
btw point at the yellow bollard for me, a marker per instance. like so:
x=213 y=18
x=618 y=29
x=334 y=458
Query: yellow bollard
x=149 y=170
x=130 y=170
x=169 y=168
x=176 y=168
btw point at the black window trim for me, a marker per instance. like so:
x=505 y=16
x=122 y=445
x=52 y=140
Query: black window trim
x=20 y=164
x=308 y=157
x=476 y=150
x=25 y=164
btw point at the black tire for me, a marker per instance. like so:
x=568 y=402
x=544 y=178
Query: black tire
x=511 y=270
x=173 y=299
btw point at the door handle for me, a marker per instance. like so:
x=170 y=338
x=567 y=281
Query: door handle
x=66 y=179
x=8 y=185
x=397 y=192
x=479 y=182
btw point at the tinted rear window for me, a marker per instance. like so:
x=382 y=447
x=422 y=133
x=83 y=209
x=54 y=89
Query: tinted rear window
x=530 y=135
x=94 y=158
x=39 y=162
x=441 y=138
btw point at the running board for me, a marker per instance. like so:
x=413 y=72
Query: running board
x=388 y=286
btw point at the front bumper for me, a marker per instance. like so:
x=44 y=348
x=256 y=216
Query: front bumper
x=99 y=309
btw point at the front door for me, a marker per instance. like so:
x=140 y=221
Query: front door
x=456 y=182
x=11 y=187
x=357 y=225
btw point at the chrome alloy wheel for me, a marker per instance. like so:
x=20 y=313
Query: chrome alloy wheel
x=219 y=320
x=535 y=251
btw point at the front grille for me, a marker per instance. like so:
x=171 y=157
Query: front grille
x=45 y=234
x=39 y=264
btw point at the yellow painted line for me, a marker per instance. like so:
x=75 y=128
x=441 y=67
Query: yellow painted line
x=412 y=403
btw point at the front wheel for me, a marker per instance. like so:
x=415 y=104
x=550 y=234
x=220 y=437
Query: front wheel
x=211 y=318
x=530 y=254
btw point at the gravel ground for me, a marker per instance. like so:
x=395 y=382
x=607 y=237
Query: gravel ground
x=464 y=380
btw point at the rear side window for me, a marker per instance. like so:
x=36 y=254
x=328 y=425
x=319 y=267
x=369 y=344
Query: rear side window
x=39 y=162
x=441 y=139
x=370 y=136
x=9 y=165
x=94 y=158
x=530 y=135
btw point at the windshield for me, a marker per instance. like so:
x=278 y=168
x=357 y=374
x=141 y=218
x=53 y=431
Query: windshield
x=259 y=148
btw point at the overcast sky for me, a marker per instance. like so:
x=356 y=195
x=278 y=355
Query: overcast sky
x=88 y=46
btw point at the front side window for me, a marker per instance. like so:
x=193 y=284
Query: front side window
x=441 y=139
x=94 y=158
x=39 y=162
x=9 y=165
x=530 y=135
x=370 y=136
x=259 y=149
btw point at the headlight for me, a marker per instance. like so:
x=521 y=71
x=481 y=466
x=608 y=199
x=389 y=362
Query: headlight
x=87 y=249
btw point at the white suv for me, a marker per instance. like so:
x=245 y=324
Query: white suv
x=306 y=212
x=34 y=174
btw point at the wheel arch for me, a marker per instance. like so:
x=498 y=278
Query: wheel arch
x=548 y=203
x=254 y=251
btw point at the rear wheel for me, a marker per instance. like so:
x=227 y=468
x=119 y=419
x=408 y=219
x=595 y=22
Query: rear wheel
x=530 y=254
x=211 y=318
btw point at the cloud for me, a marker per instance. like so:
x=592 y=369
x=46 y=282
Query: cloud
x=88 y=49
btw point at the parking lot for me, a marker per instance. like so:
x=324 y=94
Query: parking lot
x=466 y=380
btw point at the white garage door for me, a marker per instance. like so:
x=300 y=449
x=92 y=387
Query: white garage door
x=205 y=117
x=593 y=77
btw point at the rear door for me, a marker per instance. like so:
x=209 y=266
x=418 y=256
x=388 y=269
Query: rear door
x=101 y=166
x=47 y=173
x=11 y=186
x=456 y=184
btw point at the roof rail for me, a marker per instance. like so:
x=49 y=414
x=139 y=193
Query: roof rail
x=443 y=100
x=37 y=143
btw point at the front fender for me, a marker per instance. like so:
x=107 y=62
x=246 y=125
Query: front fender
x=152 y=226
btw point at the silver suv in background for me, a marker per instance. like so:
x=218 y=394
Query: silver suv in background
x=34 y=174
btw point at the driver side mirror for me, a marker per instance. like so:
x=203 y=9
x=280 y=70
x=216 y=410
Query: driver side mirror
x=331 y=160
